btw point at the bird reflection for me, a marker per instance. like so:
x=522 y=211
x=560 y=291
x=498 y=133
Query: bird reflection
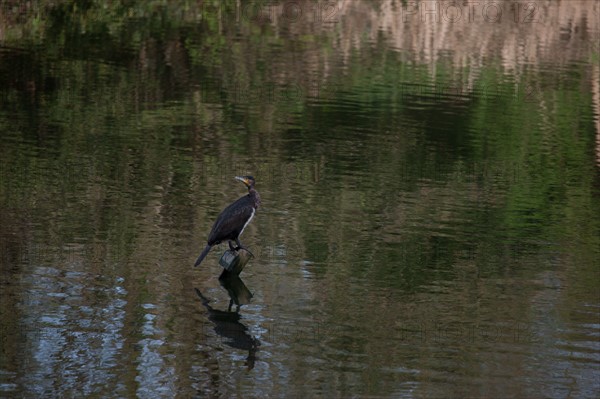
x=227 y=323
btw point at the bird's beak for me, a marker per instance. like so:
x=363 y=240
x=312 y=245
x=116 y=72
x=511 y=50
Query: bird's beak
x=242 y=179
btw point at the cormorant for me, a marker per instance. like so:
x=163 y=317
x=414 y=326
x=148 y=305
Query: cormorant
x=233 y=220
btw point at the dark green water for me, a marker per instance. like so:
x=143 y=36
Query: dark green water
x=431 y=200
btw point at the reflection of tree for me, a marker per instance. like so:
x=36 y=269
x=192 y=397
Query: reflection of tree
x=195 y=62
x=567 y=29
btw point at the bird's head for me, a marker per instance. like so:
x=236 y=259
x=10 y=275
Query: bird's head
x=247 y=180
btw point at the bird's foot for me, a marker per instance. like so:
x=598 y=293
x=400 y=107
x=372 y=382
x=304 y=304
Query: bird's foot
x=245 y=249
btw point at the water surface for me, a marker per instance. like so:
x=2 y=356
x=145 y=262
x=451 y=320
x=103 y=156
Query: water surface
x=430 y=223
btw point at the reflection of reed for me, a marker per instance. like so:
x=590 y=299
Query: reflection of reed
x=520 y=34
x=596 y=102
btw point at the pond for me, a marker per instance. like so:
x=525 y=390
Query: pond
x=430 y=184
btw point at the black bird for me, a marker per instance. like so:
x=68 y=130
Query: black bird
x=233 y=220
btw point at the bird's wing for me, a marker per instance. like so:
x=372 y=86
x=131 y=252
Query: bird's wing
x=231 y=221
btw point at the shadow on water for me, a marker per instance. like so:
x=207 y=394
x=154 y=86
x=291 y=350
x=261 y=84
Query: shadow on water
x=227 y=323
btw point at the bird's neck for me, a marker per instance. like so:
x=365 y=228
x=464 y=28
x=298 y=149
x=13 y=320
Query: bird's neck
x=253 y=194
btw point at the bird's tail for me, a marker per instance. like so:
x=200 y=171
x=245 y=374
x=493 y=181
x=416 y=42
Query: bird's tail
x=202 y=255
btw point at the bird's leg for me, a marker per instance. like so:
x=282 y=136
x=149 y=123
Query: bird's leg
x=240 y=246
x=231 y=245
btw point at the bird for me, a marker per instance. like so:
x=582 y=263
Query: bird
x=232 y=221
